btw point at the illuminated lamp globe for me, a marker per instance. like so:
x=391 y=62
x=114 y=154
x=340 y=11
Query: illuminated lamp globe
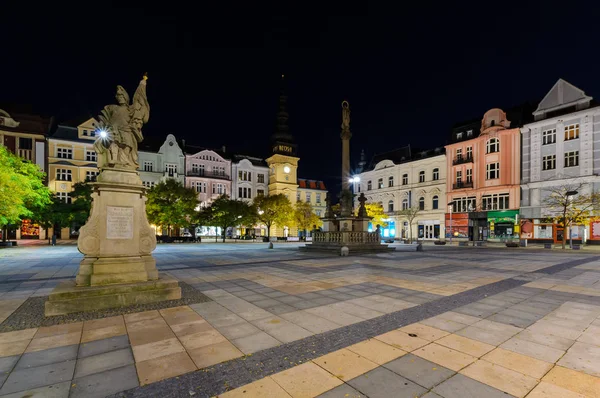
x=103 y=133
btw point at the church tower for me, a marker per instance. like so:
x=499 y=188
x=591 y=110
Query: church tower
x=283 y=162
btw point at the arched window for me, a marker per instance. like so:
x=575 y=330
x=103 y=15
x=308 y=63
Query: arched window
x=435 y=202
x=369 y=185
x=404 y=179
x=404 y=203
x=391 y=181
x=422 y=176
x=421 y=203
x=436 y=174
x=390 y=206
x=493 y=145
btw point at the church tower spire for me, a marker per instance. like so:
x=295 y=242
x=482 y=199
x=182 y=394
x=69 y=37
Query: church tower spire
x=282 y=140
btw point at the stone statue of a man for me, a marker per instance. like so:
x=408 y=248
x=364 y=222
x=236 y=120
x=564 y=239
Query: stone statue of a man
x=345 y=116
x=121 y=129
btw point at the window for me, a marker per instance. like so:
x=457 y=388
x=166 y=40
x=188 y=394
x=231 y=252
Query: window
x=148 y=184
x=148 y=165
x=380 y=183
x=459 y=136
x=64 y=153
x=171 y=169
x=421 y=176
x=64 y=197
x=421 y=203
x=458 y=176
x=404 y=203
x=404 y=179
x=469 y=152
x=63 y=175
x=318 y=213
x=85 y=132
x=436 y=174
x=200 y=187
x=308 y=197
x=469 y=175
x=200 y=169
x=435 y=202
x=91 y=175
x=549 y=162
x=318 y=198
x=548 y=136
x=297 y=196
x=242 y=175
x=492 y=171
x=91 y=156
x=260 y=178
x=25 y=143
x=390 y=181
x=369 y=185
x=220 y=171
x=572 y=159
x=260 y=192
x=459 y=153
x=571 y=132
x=464 y=204
x=493 y=145
x=220 y=189
x=495 y=201
x=469 y=133
x=245 y=193
x=195 y=168
x=390 y=206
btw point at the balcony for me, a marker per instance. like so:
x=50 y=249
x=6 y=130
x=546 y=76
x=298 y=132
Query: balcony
x=25 y=154
x=462 y=159
x=461 y=185
x=209 y=174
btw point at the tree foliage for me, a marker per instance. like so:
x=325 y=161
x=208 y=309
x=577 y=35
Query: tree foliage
x=274 y=210
x=304 y=216
x=22 y=188
x=410 y=214
x=81 y=204
x=375 y=210
x=225 y=212
x=171 y=204
x=568 y=209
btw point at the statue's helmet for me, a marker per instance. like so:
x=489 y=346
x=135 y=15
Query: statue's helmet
x=123 y=92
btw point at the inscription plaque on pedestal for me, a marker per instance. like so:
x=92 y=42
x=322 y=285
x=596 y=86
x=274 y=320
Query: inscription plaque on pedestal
x=119 y=222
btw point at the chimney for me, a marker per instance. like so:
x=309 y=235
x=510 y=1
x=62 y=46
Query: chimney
x=223 y=148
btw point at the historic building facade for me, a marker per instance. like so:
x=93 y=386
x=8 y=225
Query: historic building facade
x=483 y=180
x=313 y=192
x=71 y=159
x=25 y=136
x=559 y=150
x=158 y=164
x=250 y=178
x=401 y=179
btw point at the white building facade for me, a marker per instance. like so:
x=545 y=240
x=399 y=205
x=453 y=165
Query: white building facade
x=250 y=178
x=167 y=162
x=399 y=180
x=560 y=148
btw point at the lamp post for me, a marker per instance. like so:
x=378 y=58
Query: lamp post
x=570 y=195
x=450 y=205
x=354 y=180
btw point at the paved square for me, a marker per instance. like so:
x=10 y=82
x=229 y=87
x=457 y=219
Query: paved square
x=446 y=322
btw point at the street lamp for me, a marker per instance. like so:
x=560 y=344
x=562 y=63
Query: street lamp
x=570 y=195
x=450 y=205
x=354 y=180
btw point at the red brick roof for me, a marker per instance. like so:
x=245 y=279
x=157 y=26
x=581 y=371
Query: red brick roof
x=311 y=184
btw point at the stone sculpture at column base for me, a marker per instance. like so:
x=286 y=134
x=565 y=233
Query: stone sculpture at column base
x=117 y=241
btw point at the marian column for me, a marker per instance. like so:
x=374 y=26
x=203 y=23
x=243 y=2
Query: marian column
x=345 y=196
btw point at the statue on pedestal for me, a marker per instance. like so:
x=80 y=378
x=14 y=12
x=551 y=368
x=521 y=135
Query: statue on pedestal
x=362 y=210
x=121 y=129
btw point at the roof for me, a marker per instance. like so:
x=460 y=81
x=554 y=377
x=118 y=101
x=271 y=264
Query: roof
x=24 y=122
x=562 y=94
x=404 y=154
x=311 y=184
x=254 y=160
x=193 y=149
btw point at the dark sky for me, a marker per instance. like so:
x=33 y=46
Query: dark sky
x=409 y=72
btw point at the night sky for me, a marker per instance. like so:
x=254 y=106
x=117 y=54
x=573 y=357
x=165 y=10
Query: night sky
x=409 y=73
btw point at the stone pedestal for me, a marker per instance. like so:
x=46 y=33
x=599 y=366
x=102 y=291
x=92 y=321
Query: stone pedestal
x=117 y=243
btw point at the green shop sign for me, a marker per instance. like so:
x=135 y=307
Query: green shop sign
x=503 y=216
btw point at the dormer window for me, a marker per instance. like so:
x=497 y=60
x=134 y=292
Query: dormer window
x=470 y=133
x=459 y=136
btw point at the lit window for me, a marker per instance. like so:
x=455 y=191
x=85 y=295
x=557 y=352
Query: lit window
x=571 y=132
x=493 y=145
x=549 y=136
x=549 y=162
x=572 y=159
x=459 y=136
x=492 y=171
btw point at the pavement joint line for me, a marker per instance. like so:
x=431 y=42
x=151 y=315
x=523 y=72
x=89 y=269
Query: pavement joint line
x=215 y=380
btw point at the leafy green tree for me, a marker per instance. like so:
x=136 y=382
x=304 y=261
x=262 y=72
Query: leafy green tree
x=304 y=216
x=55 y=215
x=22 y=189
x=171 y=204
x=81 y=202
x=225 y=212
x=274 y=210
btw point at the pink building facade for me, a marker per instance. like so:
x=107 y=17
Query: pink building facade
x=209 y=173
x=483 y=181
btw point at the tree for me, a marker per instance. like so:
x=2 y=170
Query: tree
x=57 y=214
x=22 y=189
x=568 y=204
x=375 y=210
x=171 y=204
x=304 y=216
x=225 y=212
x=81 y=204
x=410 y=214
x=273 y=210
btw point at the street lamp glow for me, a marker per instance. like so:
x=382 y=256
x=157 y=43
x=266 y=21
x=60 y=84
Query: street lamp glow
x=103 y=133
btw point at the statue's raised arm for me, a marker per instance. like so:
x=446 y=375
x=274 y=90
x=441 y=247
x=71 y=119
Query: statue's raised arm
x=140 y=109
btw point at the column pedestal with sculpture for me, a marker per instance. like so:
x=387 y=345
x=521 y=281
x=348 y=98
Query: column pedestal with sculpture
x=117 y=241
